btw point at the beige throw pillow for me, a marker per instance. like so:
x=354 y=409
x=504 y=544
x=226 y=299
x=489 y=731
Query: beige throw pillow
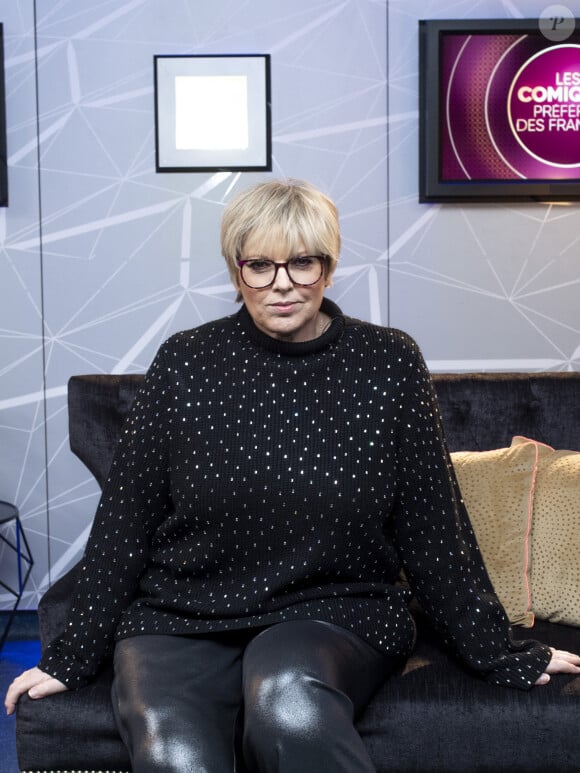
x=555 y=534
x=497 y=488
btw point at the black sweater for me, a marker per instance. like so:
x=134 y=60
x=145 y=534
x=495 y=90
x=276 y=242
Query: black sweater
x=258 y=480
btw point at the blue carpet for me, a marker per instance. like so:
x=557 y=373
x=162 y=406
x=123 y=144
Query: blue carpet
x=21 y=654
x=16 y=656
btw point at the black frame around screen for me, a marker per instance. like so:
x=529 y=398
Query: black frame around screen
x=3 y=144
x=431 y=187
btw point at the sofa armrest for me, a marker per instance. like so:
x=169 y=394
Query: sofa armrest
x=54 y=606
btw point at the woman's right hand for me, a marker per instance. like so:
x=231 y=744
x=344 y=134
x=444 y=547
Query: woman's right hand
x=34 y=682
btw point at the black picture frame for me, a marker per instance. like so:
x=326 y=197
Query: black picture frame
x=251 y=72
x=3 y=142
x=434 y=120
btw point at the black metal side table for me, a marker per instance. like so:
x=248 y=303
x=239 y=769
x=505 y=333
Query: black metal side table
x=13 y=539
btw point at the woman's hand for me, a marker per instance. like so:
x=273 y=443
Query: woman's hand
x=561 y=663
x=36 y=683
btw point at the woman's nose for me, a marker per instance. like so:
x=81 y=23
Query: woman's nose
x=282 y=279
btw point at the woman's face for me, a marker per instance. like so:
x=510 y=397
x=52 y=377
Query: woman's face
x=282 y=310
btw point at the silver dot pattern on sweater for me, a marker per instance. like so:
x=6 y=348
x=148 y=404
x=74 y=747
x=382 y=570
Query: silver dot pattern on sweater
x=258 y=481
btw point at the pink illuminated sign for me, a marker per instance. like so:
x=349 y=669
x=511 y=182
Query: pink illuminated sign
x=544 y=106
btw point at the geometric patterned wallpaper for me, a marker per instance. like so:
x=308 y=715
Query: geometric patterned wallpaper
x=101 y=258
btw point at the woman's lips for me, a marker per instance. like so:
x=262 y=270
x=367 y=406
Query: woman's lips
x=284 y=306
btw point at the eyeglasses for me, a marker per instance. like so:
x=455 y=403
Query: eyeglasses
x=303 y=270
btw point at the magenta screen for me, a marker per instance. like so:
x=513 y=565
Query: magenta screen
x=509 y=108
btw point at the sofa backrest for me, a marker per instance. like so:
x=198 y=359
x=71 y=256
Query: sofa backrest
x=97 y=406
x=480 y=411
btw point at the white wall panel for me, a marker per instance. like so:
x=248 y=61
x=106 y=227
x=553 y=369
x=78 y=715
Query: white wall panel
x=23 y=462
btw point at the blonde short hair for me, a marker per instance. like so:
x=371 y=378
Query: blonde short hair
x=289 y=215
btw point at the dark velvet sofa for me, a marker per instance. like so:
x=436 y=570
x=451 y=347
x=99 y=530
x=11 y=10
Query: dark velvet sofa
x=432 y=716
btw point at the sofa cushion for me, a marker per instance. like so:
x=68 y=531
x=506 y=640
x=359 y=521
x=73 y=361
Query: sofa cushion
x=430 y=716
x=555 y=534
x=497 y=488
x=71 y=731
x=435 y=717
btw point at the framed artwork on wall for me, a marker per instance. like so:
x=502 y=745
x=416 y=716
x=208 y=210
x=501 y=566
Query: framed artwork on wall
x=499 y=110
x=213 y=113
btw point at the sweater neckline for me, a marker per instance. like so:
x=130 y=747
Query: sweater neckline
x=295 y=348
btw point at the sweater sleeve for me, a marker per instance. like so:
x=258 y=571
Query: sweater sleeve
x=439 y=550
x=135 y=499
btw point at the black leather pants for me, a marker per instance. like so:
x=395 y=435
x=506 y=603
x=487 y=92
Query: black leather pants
x=283 y=700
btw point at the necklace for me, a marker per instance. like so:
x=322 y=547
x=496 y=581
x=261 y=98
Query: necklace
x=323 y=323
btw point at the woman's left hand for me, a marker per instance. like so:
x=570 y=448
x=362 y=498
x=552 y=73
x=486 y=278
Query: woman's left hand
x=562 y=662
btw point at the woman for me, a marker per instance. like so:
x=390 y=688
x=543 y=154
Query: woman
x=278 y=469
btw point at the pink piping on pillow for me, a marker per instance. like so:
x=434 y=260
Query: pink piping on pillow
x=520 y=439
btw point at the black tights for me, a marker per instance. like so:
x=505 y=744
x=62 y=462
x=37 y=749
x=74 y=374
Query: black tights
x=285 y=700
